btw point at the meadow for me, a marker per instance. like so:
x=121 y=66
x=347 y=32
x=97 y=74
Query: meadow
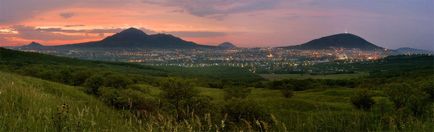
x=62 y=94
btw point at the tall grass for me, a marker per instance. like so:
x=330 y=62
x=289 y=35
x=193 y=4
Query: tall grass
x=29 y=104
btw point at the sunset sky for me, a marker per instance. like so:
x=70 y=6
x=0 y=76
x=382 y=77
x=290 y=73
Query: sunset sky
x=246 y=23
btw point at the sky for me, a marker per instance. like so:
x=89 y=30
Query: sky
x=246 y=23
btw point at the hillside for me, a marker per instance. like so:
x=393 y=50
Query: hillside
x=41 y=64
x=409 y=51
x=103 y=96
x=347 y=41
x=29 y=104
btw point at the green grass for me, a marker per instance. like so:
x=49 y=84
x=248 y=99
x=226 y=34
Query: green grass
x=306 y=76
x=29 y=104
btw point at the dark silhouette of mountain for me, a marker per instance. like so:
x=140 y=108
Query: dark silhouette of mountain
x=345 y=40
x=32 y=45
x=135 y=38
x=226 y=45
x=408 y=50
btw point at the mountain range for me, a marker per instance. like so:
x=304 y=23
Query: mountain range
x=135 y=38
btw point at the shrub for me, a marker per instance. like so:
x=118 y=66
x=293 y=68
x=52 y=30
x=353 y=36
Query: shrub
x=287 y=93
x=116 y=81
x=238 y=110
x=128 y=99
x=178 y=93
x=93 y=83
x=428 y=87
x=362 y=100
x=408 y=98
x=236 y=93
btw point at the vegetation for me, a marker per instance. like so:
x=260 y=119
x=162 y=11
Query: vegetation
x=362 y=100
x=46 y=93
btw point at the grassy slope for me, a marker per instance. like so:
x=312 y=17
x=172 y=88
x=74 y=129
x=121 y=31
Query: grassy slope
x=32 y=104
x=29 y=104
x=316 y=109
x=11 y=60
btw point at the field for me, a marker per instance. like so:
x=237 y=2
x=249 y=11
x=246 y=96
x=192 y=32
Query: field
x=41 y=105
x=63 y=94
x=307 y=76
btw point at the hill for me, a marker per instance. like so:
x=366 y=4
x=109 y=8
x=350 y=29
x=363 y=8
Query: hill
x=40 y=65
x=347 y=41
x=104 y=96
x=408 y=50
x=32 y=45
x=135 y=38
x=30 y=104
x=226 y=45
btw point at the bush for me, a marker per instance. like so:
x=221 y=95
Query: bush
x=362 y=100
x=93 y=83
x=287 y=93
x=178 y=94
x=128 y=99
x=408 y=98
x=238 y=110
x=236 y=93
x=116 y=81
x=428 y=87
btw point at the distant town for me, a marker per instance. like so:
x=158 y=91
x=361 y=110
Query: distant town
x=133 y=45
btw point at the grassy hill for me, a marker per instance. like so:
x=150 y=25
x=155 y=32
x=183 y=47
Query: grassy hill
x=46 y=93
x=43 y=66
x=29 y=104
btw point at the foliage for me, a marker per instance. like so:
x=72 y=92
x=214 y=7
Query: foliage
x=236 y=92
x=238 y=110
x=362 y=100
x=409 y=99
x=287 y=93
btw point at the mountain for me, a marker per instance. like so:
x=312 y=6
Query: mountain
x=408 y=50
x=135 y=38
x=226 y=45
x=32 y=45
x=344 y=40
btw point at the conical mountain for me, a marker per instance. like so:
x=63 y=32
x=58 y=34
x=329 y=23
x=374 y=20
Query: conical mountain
x=32 y=45
x=227 y=45
x=344 y=40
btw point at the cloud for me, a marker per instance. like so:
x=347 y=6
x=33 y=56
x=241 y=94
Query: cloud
x=12 y=11
x=75 y=25
x=67 y=15
x=32 y=33
x=197 y=34
x=93 y=31
x=217 y=8
x=103 y=31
